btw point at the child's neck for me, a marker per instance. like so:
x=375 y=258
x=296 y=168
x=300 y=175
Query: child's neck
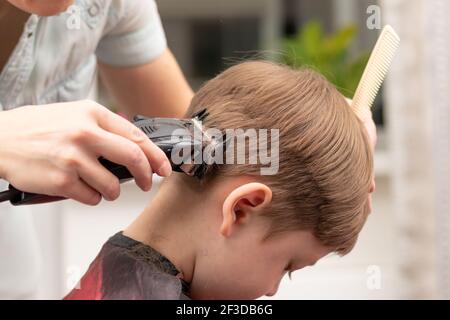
x=168 y=225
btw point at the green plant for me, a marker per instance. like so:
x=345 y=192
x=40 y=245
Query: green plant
x=328 y=54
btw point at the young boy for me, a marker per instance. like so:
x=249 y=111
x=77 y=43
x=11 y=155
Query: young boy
x=236 y=233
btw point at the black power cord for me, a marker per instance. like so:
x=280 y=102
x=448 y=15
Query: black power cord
x=8 y=195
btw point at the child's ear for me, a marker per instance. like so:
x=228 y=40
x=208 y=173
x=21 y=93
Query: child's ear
x=243 y=203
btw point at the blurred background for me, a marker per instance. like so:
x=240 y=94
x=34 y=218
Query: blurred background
x=404 y=249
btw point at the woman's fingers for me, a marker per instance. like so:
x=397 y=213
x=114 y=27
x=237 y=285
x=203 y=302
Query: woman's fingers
x=76 y=189
x=100 y=179
x=122 y=151
x=115 y=124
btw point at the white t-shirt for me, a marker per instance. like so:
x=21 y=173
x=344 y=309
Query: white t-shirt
x=55 y=61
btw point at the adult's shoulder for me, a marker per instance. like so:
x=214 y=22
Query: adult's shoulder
x=133 y=34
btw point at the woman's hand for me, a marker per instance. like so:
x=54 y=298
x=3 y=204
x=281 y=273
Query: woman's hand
x=54 y=150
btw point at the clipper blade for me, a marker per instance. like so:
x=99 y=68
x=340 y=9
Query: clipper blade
x=185 y=142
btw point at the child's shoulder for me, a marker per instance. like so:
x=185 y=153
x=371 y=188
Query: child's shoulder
x=128 y=269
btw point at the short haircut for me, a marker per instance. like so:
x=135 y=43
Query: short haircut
x=325 y=161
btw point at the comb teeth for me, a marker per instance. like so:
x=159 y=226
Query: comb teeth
x=376 y=70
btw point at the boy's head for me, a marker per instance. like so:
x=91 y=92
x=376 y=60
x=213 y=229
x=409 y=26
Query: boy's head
x=249 y=229
x=42 y=7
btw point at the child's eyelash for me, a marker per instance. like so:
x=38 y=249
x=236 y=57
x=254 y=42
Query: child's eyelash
x=290 y=274
x=289 y=271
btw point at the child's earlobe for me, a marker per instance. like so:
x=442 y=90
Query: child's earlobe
x=242 y=204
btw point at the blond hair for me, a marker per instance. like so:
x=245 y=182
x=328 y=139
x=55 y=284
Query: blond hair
x=325 y=160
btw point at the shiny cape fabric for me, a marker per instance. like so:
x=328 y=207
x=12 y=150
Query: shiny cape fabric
x=126 y=269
